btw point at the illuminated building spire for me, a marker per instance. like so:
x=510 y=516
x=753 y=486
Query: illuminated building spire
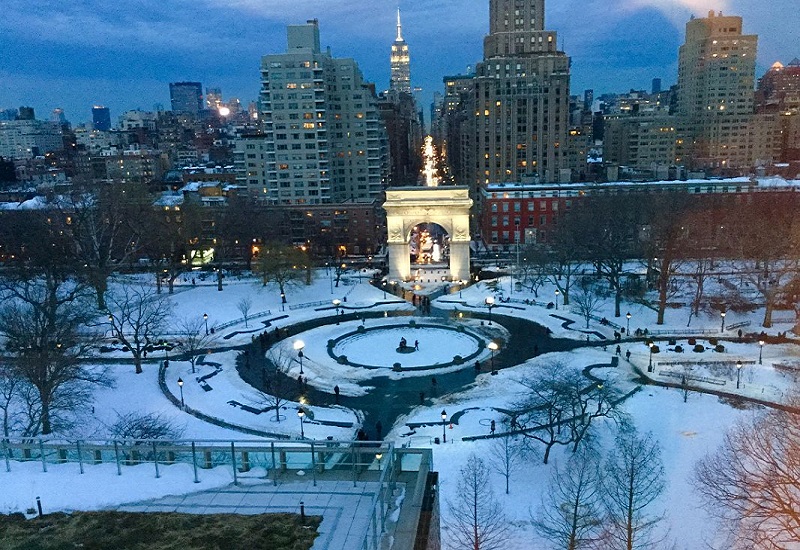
x=401 y=62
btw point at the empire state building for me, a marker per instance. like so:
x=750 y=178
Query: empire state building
x=401 y=62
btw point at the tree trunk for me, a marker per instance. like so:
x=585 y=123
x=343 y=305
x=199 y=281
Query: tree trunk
x=617 y=300
x=47 y=429
x=100 y=287
x=137 y=360
x=768 y=313
x=547 y=452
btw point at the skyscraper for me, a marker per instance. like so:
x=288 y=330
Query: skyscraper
x=716 y=76
x=322 y=138
x=186 y=97
x=400 y=80
x=101 y=118
x=716 y=68
x=521 y=98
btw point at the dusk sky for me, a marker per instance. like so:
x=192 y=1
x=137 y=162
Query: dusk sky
x=124 y=54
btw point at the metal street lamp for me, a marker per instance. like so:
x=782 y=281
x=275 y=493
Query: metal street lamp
x=557 y=293
x=299 y=345
x=444 y=422
x=628 y=327
x=650 y=344
x=302 y=414
x=493 y=347
x=336 y=304
x=205 y=318
x=722 y=315
x=180 y=385
x=383 y=284
x=738 y=372
x=760 y=351
x=378 y=457
x=489 y=301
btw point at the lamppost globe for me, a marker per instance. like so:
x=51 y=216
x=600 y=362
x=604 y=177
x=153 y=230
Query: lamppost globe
x=336 y=304
x=444 y=422
x=628 y=326
x=650 y=344
x=558 y=292
x=180 y=385
x=760 y=351
x=205 y=319
x=722 y=315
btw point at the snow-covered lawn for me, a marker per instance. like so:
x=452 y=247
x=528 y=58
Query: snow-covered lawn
x=685 y=431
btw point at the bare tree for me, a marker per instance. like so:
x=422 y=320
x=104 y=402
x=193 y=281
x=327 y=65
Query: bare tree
x=105 y=227
x=276 y=381
x=587 y=301
x=10 y=387
x=699 y=275
x=138 y=317
x=144 y=426
x=45 y=323
x=244 y=305
x=752 y=482
x=478 y=521
x=534 y=269
x=193 y=339
x=633 y=481
x=571 y=514
x=283 y=266
x=561 y=406
x=506 y=456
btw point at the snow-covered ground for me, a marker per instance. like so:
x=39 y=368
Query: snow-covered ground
x=685 y=430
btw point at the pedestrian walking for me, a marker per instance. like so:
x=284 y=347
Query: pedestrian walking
x=416 y=345
x=628 y=356
x=477 y=366
x=336 y=391
x=619 y=350
x=492 y=427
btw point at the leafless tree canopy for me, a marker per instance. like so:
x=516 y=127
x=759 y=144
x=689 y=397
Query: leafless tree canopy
x=144 y=426
x=752 y=482
x=478 y=521
x=561 y=406
x=193 y=339
x=587 y=301
x=138 y=317
x=244 y=306
x=276 y=381
x=46 y=325
x=506 y=456
x=572 y=514
x=633 y=480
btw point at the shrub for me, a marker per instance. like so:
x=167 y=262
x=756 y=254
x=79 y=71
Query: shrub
x=342 y=359
x=719 y=348
x=713 y=341
x=699 y=348
x=655 y=349
x=397 y=366
x=412 y=323
x=678 y=349
x=361 y=329
x=458 y=359
x=692 y=341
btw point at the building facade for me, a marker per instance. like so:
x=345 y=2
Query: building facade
x=520 y=98
x=322 y=138
x=186 y=97
x=400 y=80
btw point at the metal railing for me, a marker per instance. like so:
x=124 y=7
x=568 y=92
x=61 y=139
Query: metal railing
x=368 y=462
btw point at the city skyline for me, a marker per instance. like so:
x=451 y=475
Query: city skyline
x=124 y=58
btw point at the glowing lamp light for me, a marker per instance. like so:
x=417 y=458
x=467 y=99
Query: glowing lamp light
x=224 y=111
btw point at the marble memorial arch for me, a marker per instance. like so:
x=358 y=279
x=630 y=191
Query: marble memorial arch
x=448 y=207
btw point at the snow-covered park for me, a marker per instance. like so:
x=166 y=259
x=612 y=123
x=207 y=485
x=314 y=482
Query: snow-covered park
x=345 y=365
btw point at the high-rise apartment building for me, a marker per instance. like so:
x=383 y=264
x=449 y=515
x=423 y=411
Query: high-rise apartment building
x=520 y=98
x=400 y=80
x=779 y=89
x=186 y=97
x=322 y=140
x=716 y=68
x=716 y=76
x=101 y=118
